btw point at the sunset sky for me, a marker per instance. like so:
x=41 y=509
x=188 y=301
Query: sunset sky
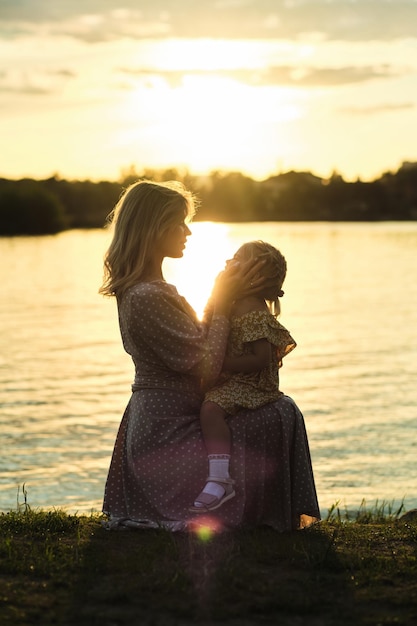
x=90 y=87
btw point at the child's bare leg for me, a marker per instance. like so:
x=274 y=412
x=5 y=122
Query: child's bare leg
x=216 y=432
x=219 y=486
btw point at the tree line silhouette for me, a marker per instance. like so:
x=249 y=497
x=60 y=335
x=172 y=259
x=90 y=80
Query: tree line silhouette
x=34 y=207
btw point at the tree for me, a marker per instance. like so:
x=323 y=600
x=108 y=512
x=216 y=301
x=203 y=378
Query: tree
x=26 y=208
x=230 y=197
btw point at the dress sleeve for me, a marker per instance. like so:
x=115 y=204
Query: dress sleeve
x=262 y=325
x=169 y=327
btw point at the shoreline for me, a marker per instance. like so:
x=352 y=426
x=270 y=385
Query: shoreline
x=380 y=507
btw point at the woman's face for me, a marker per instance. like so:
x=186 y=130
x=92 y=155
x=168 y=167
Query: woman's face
x=172 y=242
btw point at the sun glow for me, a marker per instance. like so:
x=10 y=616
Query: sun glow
x=207 y=251
x=207 y=121
x=208 y=54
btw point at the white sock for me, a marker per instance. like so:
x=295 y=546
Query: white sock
x=219 y=465
x=218 y=468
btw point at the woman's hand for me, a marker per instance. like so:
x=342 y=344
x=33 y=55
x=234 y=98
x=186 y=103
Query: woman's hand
x=238 y=280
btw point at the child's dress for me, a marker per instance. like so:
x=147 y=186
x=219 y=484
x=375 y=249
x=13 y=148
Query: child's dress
x=235 y=391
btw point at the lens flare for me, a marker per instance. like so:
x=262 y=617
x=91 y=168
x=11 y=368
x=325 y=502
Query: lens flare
x=205 y=527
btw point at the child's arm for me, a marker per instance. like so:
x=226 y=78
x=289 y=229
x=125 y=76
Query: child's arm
x=260 y=355
x=259 y=358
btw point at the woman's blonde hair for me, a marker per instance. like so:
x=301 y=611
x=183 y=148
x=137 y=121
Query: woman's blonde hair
x=144 y=212
x=275 y=267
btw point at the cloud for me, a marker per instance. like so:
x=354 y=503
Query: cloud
x=173 y=77
x=25 y=90
x=34 y=83
x=63 y=72
x=103 y=20
x=91 y=27
x=324 y=76
x=379 y=108
x=279 y=75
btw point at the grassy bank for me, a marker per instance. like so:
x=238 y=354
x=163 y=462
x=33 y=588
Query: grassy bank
x=68 y=570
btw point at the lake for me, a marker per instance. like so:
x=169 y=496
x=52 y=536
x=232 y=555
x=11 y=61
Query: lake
x=350 y=302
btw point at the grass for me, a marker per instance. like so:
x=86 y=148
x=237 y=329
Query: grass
x=68 y=570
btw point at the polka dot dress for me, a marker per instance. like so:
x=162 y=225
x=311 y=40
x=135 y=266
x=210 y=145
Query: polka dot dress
x=159 y=462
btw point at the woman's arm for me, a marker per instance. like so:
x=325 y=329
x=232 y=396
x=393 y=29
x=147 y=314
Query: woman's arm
x=155 y=315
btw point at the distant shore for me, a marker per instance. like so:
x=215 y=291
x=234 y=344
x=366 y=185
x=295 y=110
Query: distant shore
x=35 y=207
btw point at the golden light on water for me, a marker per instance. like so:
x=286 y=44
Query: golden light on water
x=62 y=415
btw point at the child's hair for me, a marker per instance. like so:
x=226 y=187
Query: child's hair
x=275 y=266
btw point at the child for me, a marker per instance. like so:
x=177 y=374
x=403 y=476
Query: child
x=257 y=343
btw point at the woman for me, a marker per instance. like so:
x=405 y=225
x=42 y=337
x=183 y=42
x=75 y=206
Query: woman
x=159 y=459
